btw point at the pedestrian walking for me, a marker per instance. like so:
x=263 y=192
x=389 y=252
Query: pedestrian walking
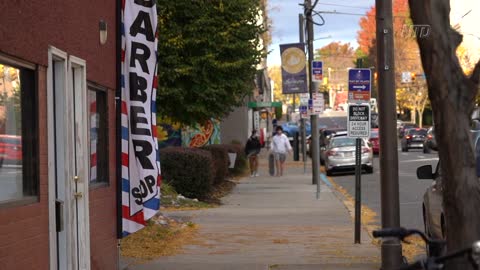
x=252 y=149
x=280 y=148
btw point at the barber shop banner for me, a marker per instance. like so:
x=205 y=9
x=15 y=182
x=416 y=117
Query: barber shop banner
x=294 y=68
x=140 y=156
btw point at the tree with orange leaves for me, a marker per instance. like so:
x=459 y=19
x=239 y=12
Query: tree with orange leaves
x=407 y=56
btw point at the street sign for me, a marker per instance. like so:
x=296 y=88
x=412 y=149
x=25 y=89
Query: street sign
x=406 y=77
x=359 y=121
x=317 y=71
x=304 y=98
x=359 y=84
x=316 y=105
x=256 y=120
x=303 y=111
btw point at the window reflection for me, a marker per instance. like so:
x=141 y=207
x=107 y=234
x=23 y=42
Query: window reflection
x=11 y=175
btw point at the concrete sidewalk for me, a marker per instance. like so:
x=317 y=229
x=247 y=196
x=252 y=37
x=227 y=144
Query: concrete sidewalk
x=273 y=223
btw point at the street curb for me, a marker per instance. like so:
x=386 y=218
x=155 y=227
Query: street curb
x=349 y=203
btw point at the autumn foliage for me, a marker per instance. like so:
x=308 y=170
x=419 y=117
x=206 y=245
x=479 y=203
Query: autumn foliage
x=412 y=96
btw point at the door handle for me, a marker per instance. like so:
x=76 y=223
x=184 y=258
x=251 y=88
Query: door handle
x=59 y=215
x=78 y=195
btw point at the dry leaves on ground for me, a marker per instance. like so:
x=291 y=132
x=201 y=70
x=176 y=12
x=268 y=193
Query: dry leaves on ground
x=410 y=250
x=157 y=240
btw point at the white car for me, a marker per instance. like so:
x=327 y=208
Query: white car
x=340 y=155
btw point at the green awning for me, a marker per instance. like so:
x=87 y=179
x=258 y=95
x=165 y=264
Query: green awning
x=264 y=104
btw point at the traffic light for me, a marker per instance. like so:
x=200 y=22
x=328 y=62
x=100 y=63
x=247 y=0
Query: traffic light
x=412 y=76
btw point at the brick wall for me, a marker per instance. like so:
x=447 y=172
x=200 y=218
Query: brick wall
x=71 y=26
x=103 y=243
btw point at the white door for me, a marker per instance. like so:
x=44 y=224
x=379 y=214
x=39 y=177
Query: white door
x=68 y=162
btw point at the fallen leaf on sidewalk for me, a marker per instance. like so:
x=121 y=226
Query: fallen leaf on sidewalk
x=280 y=241
x=369 y=221
x=156 y=240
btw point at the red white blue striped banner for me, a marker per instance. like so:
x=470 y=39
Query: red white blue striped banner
x=141 y=177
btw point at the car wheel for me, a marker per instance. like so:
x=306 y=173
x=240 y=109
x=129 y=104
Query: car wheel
x=329 y=172
x=426 y=150
x=404 y=149
x=431 y=251
x=369 y=170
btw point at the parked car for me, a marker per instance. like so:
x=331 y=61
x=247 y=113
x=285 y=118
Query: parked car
x=324 y=134
x=290 y=128
x=433 y=214
x=405 y=126
x=430 y=143
x=374 y=118
x=374 y=141
x=413 y=138
x=340 y=155
x=328 y=138
x=10 y=149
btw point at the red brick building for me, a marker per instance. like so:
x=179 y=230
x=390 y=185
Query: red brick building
x=57 y=130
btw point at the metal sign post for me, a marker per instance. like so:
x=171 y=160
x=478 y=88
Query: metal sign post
x=358 y=189
x=359 y=127
x=303 y=116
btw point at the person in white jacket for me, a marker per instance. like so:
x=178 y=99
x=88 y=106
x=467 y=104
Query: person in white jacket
x=280 y=148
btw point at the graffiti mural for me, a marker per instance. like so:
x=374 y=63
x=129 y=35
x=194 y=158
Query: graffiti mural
x=169 y=133
x=201 y=135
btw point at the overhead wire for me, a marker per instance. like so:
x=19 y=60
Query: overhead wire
x=347 y=6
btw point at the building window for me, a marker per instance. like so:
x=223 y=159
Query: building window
x=97 y=103
x=18 y=134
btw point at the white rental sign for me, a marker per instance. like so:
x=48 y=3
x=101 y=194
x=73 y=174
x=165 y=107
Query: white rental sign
x=359 y=120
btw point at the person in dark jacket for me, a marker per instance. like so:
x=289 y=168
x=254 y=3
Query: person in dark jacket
x=252 y=149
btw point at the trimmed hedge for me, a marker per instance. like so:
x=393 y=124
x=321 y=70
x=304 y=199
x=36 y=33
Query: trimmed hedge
x=189 y=170
x=241 y=164
x=220 y=161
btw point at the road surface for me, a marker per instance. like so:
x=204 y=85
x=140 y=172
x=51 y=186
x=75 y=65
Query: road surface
x=411 y=189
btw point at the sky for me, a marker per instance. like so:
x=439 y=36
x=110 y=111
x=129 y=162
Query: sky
x=337 y=27
x=466 y=14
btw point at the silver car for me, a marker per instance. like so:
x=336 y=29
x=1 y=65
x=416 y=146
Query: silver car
x=340 y=155
x=433 y=214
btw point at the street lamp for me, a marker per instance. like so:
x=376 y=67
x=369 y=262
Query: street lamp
x=327 y=37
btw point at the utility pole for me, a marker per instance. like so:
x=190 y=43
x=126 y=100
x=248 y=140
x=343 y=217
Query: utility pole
x=391 y=248
x=313 y=118
x=301 y=31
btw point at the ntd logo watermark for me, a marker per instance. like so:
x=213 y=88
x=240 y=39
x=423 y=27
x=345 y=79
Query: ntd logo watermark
x=416 y=30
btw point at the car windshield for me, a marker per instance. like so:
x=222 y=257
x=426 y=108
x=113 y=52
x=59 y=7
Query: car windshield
x=417 y=132
x=343 y=141
x=10 y=141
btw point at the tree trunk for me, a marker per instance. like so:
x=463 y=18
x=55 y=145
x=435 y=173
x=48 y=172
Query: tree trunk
x=420 y=117
x=413 y=115
x=452 y=95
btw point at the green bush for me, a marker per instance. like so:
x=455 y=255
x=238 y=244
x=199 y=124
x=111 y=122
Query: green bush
x=241 y=164
x=189 y=170
x=220 y=161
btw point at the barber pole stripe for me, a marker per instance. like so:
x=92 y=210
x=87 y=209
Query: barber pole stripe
x=93 y=141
